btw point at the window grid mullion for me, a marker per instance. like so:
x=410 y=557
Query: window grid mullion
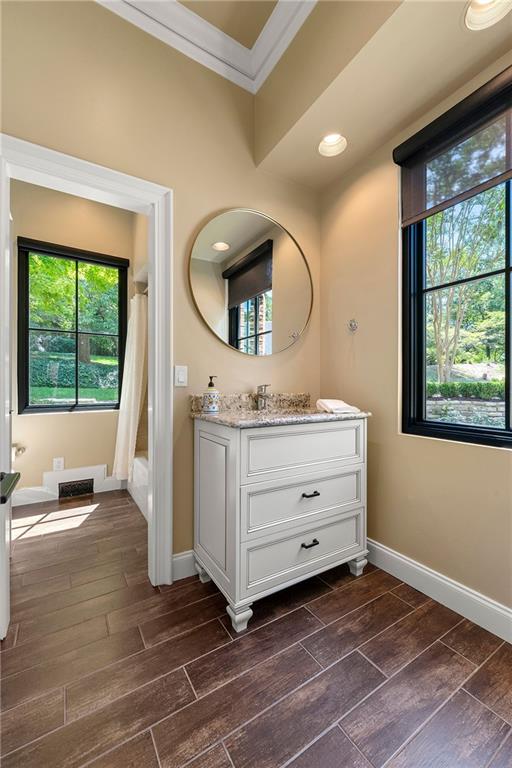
x=77 y=353
x=464 y=280
x=421 y=267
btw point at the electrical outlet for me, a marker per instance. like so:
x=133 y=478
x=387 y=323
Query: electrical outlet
x=181 y=375
x=58 y=464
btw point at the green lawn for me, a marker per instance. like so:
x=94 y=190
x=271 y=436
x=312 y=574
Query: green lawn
x=38 y=395
x=70 y=356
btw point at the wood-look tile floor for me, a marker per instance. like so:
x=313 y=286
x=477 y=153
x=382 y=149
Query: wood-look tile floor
x=101 y=669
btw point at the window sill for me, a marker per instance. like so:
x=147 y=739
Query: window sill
x=66 y=411
x=454 y=433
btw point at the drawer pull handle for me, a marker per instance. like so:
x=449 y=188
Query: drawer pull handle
x=310 y=495
x=314 y=543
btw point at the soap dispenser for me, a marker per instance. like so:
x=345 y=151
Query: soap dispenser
x=211 y=397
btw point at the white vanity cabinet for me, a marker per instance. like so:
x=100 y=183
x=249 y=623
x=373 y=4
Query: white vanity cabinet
x=277 y=504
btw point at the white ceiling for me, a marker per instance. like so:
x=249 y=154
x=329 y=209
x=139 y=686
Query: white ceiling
x=177 y=26
x=420 y=55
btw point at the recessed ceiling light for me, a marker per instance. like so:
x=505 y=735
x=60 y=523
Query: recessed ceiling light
x=220 y=246
x=332 y=144
x=480 y=14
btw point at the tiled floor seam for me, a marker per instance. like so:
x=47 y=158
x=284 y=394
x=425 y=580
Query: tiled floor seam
x=305 y=606
x=167 y=613
x=346 y=615
x=406 y=602
x=462 y=655
x=317 y=738
x=427 y=647
x=370 y=762
x=32 y=741
x=78 y=647
x=61 y=562
x=428 y=719
x=309 y=654
x=152 y=736
x=483 y=704
x=72 y=605
x=360 y=652
x=343 y=615
x=91 y=760
x=508 y=735
x=228 y=755
x=190 y=681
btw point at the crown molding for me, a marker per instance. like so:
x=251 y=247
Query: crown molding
x=182 y=29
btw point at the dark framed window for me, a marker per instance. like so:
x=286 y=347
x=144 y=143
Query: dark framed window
x=250 y=325
x=250 y=300
x=457 y=271
x=72 y=319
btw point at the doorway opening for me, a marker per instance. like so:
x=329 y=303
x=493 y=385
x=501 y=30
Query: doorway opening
x=95 y=381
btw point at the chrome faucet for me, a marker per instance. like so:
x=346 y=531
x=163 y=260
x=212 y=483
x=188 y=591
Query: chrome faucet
x=263 y=396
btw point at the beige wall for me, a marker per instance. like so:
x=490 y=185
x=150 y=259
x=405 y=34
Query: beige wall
x=210 y=294
x=83 y=439
x=140 y=243
x=447 y=505
x=105 y=91
x=332 y=35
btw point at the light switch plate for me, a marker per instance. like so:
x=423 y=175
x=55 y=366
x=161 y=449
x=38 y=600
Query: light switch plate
x=181 y=375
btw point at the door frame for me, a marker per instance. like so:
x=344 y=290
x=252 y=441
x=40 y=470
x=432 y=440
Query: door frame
x=23 y=161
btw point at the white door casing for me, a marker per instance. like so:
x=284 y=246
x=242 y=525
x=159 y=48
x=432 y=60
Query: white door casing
x=5 y=391
x=44 y=167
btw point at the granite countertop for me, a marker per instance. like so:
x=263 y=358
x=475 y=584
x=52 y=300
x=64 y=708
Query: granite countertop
x=249 y=419
x=238 y=410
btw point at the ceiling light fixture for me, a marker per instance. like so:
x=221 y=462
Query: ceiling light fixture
x=480 y=14
x=332 y=144
x=220 y=246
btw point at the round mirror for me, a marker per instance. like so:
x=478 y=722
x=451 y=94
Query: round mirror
x=250 y=282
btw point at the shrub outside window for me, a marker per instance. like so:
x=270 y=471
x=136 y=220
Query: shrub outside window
x=72 y=308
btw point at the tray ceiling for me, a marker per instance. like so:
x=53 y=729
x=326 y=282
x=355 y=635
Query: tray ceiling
x=192 y=33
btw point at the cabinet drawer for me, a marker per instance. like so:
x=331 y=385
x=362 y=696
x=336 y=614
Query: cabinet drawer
x=275 y=452
x=272 y=507
x=266 y=564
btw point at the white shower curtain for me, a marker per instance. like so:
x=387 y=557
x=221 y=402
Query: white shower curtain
x=134 y=387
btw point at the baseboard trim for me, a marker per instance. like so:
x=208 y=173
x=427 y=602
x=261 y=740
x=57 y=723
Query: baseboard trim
x=482 y=610
x=39 y=493
x=183 y=565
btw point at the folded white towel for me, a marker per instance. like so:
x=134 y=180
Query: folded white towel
x=336 y=406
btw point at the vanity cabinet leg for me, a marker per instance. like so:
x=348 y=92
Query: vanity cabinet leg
x=203 y=576
x=357 y=566
x=239 y=616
